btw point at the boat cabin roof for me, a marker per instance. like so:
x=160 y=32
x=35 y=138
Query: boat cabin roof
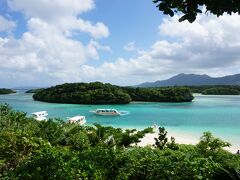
x=75 y=118
x=106 y=110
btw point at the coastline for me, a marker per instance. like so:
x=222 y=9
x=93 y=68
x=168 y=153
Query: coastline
x=148 y=140
x=185 y=123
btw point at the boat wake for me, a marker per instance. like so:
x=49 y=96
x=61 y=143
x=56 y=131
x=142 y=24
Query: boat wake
x=92 y=111
x=123 y=113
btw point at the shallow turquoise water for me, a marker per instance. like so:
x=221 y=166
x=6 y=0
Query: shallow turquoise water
x=218 y=114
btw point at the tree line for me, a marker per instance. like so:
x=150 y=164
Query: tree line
x=6 y=91
x=216 y=89
x=100 y=93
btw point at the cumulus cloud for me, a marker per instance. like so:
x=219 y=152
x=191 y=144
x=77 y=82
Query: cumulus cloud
x=6 y=25
x=98 y=30
x=51 y=10
x=209 y=45
x=210 y=42
x=47 y=51
x=64 y=14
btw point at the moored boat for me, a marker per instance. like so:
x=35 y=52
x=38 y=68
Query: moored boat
x=106 y=112
x=81 y=120
x=40 y=116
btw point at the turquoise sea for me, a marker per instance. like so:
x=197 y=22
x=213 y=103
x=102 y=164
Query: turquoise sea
x=218 y=114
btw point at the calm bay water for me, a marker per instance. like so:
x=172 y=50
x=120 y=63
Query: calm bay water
x=218 y=114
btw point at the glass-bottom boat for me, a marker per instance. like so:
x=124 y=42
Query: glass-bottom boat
x=106 y=112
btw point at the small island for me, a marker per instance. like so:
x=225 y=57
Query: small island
x=216 y=90
x=6 y=91
x=221 y=91
x=100 y=93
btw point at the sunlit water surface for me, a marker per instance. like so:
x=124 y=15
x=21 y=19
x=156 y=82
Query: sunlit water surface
x=218 y=114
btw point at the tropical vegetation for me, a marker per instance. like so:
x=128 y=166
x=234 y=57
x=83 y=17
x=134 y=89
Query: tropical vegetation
x=100 y=93
x=53 y=149
x=190 y=9
x=221 y=91
x=6 y=91
x=163 y=94
x=83 y=93
x=216 y=90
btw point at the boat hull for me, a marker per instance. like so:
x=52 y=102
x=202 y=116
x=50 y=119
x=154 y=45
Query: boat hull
x=107 y=114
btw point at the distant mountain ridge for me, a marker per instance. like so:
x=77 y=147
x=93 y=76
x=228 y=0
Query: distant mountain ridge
x=194 y=80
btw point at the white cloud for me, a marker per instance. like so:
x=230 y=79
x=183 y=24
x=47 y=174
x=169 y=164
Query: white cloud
x=99 y=46
x=48 y=52
x=6 y=25
x=63 y=14
x=173 y=28
x=44 y=49
x=71 y=23
x=51 y=10
x=130 y=46
x=210 y=45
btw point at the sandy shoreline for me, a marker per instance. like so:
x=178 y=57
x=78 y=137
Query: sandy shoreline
x=180 y=138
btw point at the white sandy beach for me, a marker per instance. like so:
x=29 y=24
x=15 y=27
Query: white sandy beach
x=180 y=138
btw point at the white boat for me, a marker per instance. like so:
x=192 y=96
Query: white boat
x=40 y=116
x=106 y=112
x=77 y=120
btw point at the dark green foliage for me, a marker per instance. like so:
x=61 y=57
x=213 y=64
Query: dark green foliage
x=215 y=89
x=83 y=93
x=162 y=141
x=191 y=8
x=172 y=145
x=221 y=91
x=55 y=150
x=208 y=145
x=99 y=93
x=168 y=94
x=6 y=91
x=225 y=174
x=147 y=163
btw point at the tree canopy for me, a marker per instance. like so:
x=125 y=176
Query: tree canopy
x=6 y=91
x=34 y=90
x=216 y=89
x=221 y=91
x=100 y=93
x=191 y=8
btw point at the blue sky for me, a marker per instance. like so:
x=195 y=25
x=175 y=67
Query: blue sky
x=44 y=43
x=133 y=21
